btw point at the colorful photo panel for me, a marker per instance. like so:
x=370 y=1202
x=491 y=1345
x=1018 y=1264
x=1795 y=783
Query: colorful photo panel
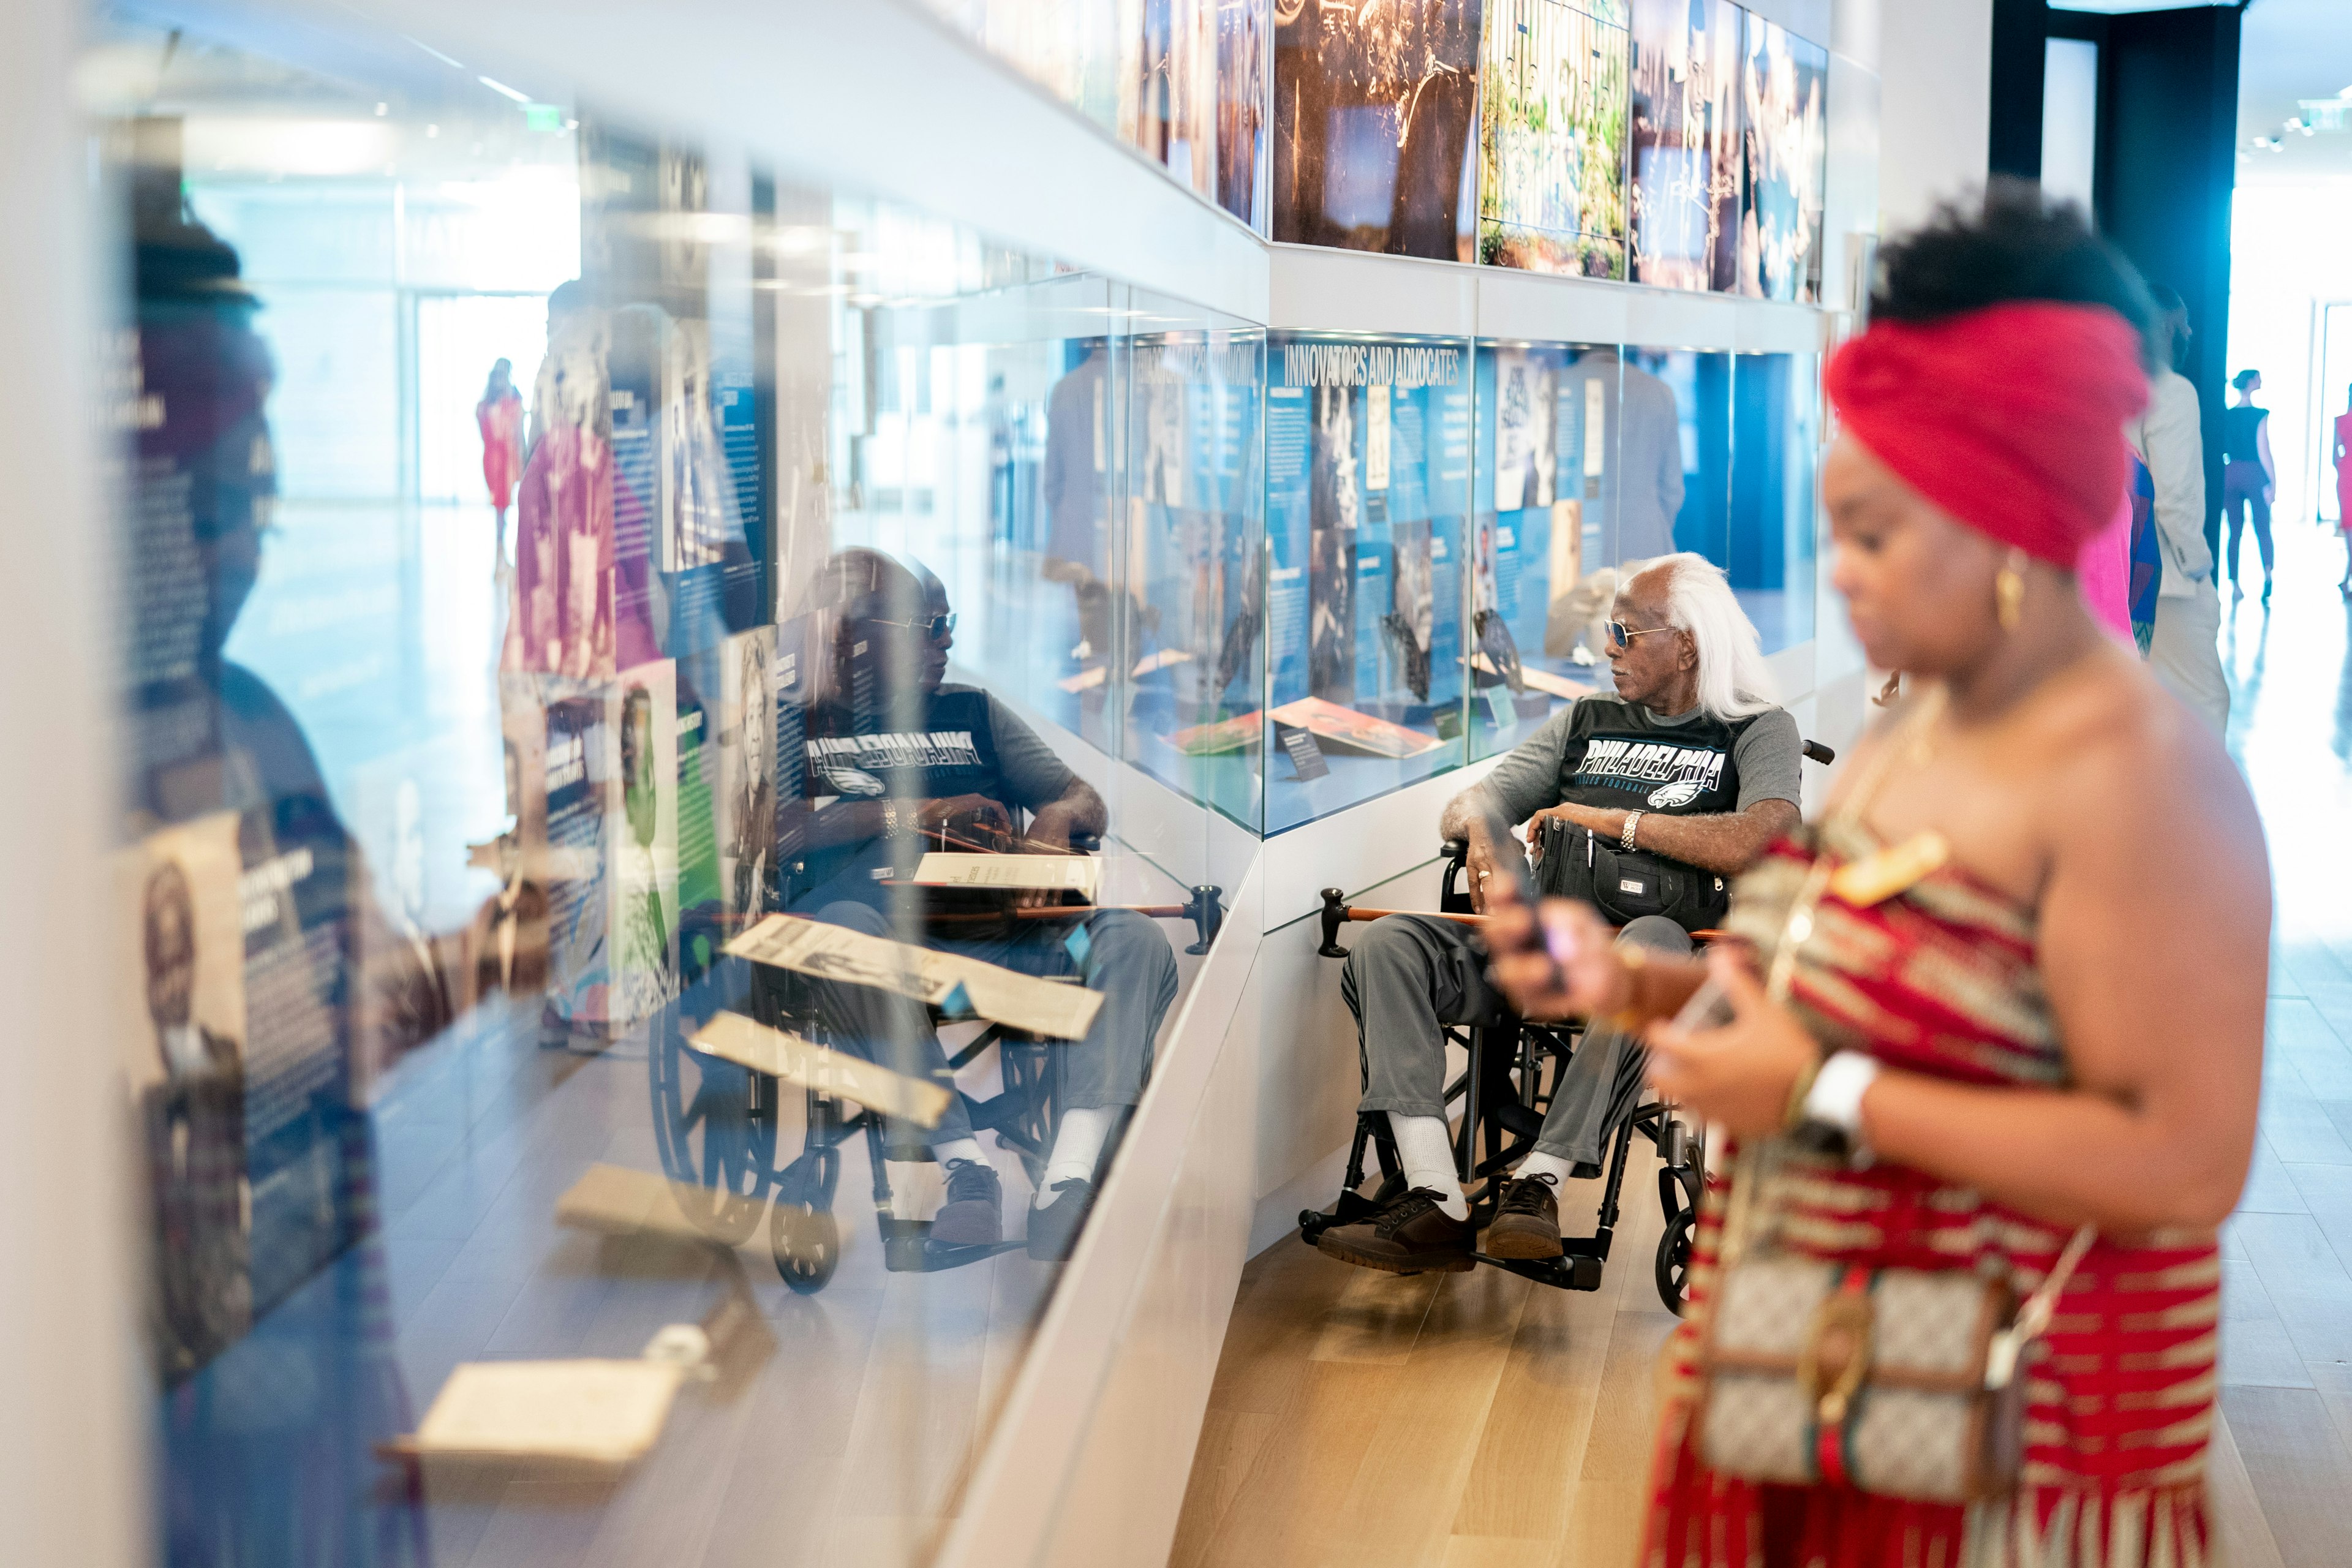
x=1373 y=108
x=1686 y=160
x=1551 y=165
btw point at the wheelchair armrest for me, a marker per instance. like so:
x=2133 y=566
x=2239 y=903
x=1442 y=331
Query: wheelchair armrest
x=1450 y=896
x=1819 y=753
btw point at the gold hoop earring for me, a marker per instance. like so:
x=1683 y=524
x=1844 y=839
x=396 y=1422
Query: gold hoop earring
x=2009 y=591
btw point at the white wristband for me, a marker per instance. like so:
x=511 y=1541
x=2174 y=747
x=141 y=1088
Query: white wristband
x=1835 y=1098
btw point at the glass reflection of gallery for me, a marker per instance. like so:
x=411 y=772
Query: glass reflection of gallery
x=564 y=564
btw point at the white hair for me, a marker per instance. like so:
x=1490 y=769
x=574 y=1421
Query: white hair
x=1733 y=680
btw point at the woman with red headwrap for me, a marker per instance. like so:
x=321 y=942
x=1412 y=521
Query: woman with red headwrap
x=2011 y=987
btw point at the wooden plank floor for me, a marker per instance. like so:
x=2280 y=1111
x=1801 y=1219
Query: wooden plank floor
x=1474 y=1421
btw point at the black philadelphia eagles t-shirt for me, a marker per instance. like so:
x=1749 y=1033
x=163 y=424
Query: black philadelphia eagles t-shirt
x=968 y=744
x=1605 y=752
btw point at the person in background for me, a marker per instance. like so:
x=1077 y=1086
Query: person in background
x=2343 y=454
x=2249 y=477
x=2168 y=440
x=2015 y=1020
x=499 y=416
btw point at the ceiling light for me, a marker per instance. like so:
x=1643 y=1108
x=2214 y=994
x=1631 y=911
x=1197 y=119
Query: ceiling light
x=503 y=90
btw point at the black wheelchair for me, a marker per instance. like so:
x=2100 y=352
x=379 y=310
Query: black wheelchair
x=1498 y=1104
x=716 y=1121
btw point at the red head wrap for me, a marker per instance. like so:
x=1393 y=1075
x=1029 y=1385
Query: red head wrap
x=2011 y=417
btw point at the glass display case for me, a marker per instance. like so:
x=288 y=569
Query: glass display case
x=1735 y=480
x=1368 y=476
x=684 y=731
x=1543 y=550
x=680 y=730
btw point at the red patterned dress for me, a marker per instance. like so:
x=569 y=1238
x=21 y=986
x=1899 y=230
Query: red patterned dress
x=1941 y=980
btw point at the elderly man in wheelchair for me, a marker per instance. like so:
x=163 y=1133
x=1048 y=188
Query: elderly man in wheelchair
x=898 y=761
x=1643 y=803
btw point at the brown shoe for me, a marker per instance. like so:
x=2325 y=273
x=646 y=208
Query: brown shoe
x=1412 y=1236
x=1526 y=1222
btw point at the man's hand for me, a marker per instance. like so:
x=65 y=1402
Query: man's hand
x=1476 y=870
x=1050 y=830
x=1602 y=820
x=971 y=815
x=1049 y=833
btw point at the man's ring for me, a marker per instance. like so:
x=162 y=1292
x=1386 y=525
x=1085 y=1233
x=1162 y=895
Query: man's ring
x=1484 y=875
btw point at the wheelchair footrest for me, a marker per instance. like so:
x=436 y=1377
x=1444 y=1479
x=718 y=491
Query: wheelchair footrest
x=1573 y=1272
x=908 y=1249
x=1352 y=1207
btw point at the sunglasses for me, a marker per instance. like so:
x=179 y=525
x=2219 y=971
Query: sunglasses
x=1623 y=635
x=934 y=628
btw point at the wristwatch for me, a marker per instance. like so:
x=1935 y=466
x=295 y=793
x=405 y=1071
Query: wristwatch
x=1625 y=838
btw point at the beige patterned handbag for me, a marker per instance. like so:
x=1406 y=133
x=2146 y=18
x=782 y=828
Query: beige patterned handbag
x=1904 y=1382
x=1901 y=1382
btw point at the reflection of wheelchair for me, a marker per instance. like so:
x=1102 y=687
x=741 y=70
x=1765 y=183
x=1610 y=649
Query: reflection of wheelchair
x=716 y=1123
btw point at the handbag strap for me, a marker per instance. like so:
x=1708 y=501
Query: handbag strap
x=1797 y=928
x=2032 y=1320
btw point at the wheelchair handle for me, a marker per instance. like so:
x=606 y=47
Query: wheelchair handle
x=1336 y=913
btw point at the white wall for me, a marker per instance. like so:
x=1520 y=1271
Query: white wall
x=1935 y=67
x=68 y=1488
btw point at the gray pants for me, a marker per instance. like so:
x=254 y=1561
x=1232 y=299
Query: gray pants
x=1127 y=960
x=1410 y=974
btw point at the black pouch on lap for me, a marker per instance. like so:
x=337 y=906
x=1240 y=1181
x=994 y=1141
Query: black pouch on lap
x=1626 y=884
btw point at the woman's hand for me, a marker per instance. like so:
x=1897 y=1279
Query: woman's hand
x=1556 y=961
x=1739 y=1074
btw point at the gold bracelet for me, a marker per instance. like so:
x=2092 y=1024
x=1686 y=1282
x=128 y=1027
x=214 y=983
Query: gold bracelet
x=1792 y=1115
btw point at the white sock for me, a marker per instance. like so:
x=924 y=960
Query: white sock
x=1542 y=1164
x=1428 y=1156
x=1077 y=1145
x=957 y=1148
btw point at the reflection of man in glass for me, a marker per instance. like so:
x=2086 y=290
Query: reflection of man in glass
x=899 y=761
x=645 y=975
x=195 y=1146
x=754 y=805
x=209 y=736
x=1077 y=449
x=1650 y=467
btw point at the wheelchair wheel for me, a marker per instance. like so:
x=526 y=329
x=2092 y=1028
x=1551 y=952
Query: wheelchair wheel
x=807 y=1244
x=1674 y=1260
x=715 y=1127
